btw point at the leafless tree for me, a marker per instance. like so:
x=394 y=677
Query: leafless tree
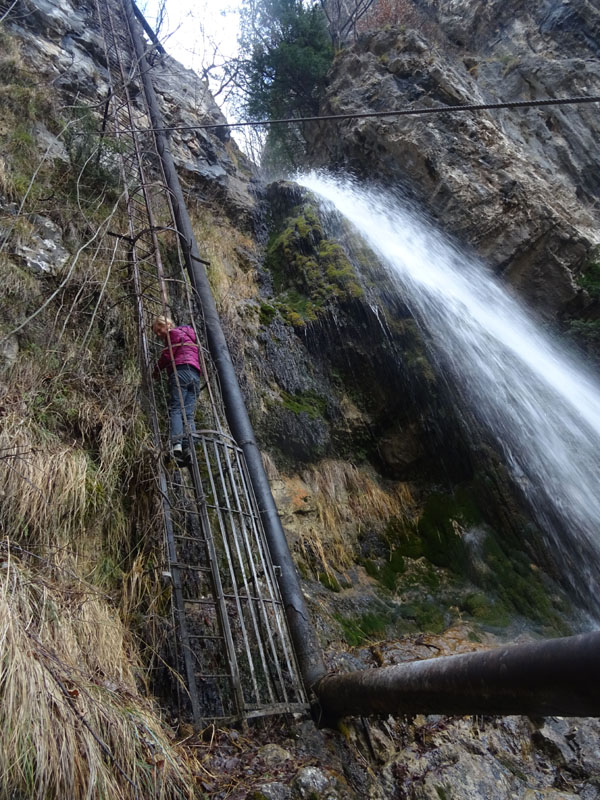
x=8 y=10
x=343 y=17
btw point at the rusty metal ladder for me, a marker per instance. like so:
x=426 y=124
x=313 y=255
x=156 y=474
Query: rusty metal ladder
x=231 y=626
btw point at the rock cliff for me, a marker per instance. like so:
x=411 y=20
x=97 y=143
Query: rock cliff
x=409 y=541
x=519 y=186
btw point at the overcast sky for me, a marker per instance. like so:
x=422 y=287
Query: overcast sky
x=190 y=32
x=192 y=26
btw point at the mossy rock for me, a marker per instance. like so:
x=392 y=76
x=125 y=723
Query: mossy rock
x=309 y=403
x=440 y=529
x=423 y=616
x=386 y=573
x=266 y=314
x=404 y=538
x=310 y=272
x=510 y=584
x=370 y=626
x=486 y=610
x=329 y=581
x=522 y=587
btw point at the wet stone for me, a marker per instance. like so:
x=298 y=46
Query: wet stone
x=311 y=783
x=271 y=791
x=273 y=755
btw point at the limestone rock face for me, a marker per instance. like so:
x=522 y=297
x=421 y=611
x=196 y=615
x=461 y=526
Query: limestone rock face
x=44 y=251
x=61 y=41
x=518 y=186
x=521 y=189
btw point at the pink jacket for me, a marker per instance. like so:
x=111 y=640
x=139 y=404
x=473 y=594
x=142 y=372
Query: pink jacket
x=185 y=350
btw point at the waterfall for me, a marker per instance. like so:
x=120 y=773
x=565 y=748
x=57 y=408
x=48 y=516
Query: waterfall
x=530 y=393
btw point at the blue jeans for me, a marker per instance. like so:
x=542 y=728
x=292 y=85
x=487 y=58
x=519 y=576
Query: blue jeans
x=189 y=383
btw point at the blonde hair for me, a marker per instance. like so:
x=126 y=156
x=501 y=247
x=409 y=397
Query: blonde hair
x=162 y=320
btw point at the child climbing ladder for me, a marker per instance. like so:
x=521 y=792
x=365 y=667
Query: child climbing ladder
x=181 y=360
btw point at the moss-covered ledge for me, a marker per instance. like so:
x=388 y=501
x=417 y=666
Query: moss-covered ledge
x=310 y=272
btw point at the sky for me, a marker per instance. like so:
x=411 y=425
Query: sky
x=192 y=26
x=190 y=32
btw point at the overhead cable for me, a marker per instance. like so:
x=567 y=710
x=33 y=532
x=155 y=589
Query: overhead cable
x=402 y=112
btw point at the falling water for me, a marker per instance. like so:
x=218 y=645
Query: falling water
x=542 y=408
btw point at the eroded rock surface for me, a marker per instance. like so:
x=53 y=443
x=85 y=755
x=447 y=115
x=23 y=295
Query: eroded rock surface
x=519 y=186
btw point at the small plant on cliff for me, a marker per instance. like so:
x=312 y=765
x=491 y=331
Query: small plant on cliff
x=590 y=275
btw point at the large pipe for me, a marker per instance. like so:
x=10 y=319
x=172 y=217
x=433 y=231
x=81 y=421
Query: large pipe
x=301 y=629
x=556 y=676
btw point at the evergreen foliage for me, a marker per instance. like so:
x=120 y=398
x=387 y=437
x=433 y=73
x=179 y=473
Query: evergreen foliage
x=288 y=54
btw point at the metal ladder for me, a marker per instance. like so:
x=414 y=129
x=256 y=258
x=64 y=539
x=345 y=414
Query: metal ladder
x=235 y=649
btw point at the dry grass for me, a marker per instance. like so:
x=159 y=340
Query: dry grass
x=270 y=466
x=78 y=500
x=69 y=449
x=232 y=283
x=72 y=723
x=348 y=499
x=5 y=181
x=44 y=484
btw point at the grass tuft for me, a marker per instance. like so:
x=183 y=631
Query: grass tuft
x=347 y=500
x=72 y=723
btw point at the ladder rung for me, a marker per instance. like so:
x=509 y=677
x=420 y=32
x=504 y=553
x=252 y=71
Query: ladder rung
x=203 y=675
x=256 y=599
x=194 y=567
x=188 y=538
x=201 y=636
x=200 y=602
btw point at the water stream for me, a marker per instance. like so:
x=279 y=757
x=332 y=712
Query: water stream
x=539 y=404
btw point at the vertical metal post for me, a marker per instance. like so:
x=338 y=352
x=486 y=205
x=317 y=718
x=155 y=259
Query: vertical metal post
x=301 y=629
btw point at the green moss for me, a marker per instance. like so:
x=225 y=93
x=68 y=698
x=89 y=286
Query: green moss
x=305 y=403
x=22 y=139
x=421 y=575
x=296 y=308
x=365 y=627
x=266 y=314
x=303 y=570
x=587 y=330
x=423 y=616
x=440 y=527
x=519 y=585
x=486 y=610
x=329 y=581
x=404 y=538
x=309 y=271
x=387 y=573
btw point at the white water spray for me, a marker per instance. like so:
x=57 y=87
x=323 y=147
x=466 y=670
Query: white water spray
x=542 y=408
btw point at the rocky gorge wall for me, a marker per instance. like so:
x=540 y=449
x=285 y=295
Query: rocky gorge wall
x=374 y=480
x=519 y=186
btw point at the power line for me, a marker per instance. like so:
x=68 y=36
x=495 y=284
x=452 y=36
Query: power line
x=403 y=112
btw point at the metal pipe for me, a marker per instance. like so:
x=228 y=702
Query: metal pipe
x=302 y=632
x=556 y=676
x=148 y=28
